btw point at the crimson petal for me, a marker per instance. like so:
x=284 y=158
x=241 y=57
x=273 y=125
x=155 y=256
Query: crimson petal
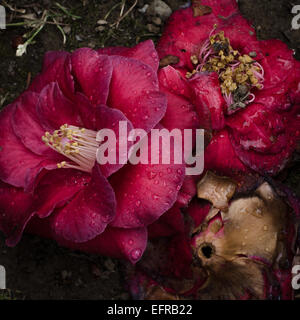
x=221 y=157
x=92 y=73
x=144 y=191
x=180 y=113
x=278 y=63
x=127 y=244
x=264 y=140
x=19 y=166
x=170 y=223
x=184 y=34
x=54 y=109
x=88 y=214
x=26 y=124
x=16 y=209
x=56 y=68
x=208 y=96
x=188 y=190
x=144 y=52
x=134 y=90
x=58 y=187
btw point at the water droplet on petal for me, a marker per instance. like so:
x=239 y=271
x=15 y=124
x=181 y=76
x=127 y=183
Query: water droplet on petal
x=106 y=218
x=138 y=203
x=155 y=197
x=151 y=175
x=136 y=254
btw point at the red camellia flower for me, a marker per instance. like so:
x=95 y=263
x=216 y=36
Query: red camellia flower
x=230 y=245
x=52 y=185
x=222 y=78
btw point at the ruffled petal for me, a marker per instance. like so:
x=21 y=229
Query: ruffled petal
x=144 y=191
x=221 y=157
x=92 y=73
x=242 y=37
x=144 y=52
x=54 y=109
x=208 y=97
x=180 y=114
x=56 y=68
x=264 y=140
x=278 y=63
x=16 y=209
x=26 y=124
x=128 y=244
x=88 y=214
x=198 y=211
x=295 y=88
x=170 y=223
x=188 y=190
x=51 y=57
x=56 y=188
x=19 y=166
x=134 y=90
x=184 y=34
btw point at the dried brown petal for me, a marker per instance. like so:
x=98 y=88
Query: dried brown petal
x=200 y=10
x=167 y=60
x=236 y=255
x=217 y=190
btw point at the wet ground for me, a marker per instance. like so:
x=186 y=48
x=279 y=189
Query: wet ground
x=38 y=268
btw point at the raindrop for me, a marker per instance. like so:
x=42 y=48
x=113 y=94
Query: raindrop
x=106 y=218
x=136 y=254
x=155 y=197
x=151 y=175
x=138 y=203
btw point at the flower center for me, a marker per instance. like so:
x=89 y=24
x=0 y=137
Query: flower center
x=206 y=250
x=77 y=144
x=238 y=74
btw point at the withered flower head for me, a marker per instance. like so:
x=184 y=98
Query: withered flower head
x=240 y=250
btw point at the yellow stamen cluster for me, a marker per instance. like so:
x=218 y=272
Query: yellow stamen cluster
x=77 y=144
x=233 y=68
x=243 y=74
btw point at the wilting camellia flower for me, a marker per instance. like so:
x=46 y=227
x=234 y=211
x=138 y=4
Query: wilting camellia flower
x=232 y=246
x=50 y=181
x=222 y=78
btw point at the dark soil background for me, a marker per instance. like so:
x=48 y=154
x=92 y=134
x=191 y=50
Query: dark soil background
x=38 y=268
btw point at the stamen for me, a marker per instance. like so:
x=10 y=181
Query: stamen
x=238 y=74
x=77 y=144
